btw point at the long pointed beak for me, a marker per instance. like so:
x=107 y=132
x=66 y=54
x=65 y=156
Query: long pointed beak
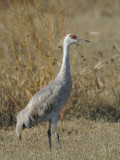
x=83 y=40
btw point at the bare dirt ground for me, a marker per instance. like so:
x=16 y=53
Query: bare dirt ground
x=81 y=139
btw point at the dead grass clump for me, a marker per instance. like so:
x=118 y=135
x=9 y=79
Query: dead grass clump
x=96 y=89
x=28 y=49
x=30 y=32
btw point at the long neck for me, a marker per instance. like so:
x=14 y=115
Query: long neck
x=65 y=67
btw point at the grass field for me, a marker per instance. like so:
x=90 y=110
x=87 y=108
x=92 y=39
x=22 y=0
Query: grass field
x=31 y=39
x=81 y=139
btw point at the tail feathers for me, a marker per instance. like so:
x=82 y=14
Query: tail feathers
x=23 y=121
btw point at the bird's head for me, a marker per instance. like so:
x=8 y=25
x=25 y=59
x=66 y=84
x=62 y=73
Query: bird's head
x=71 y=38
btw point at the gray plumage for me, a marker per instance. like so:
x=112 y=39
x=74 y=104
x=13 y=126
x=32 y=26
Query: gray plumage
x=47 y=103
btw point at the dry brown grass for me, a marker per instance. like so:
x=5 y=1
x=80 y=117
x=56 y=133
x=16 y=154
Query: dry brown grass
x=28 y=50
x=81 y=139
x=31 y=53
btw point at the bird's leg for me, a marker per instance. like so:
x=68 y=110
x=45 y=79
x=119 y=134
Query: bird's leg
x=49 y=134
x=56 y=134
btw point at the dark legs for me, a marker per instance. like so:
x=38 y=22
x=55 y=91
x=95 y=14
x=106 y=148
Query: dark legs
x=49 y=134
x=56 y=134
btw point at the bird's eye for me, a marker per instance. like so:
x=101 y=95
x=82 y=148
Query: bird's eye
x=73 y=36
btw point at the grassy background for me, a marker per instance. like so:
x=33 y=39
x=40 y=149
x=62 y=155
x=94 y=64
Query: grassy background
x=31 y=39
x=80 y=139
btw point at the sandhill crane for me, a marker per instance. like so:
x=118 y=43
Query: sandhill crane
x=47 y=103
